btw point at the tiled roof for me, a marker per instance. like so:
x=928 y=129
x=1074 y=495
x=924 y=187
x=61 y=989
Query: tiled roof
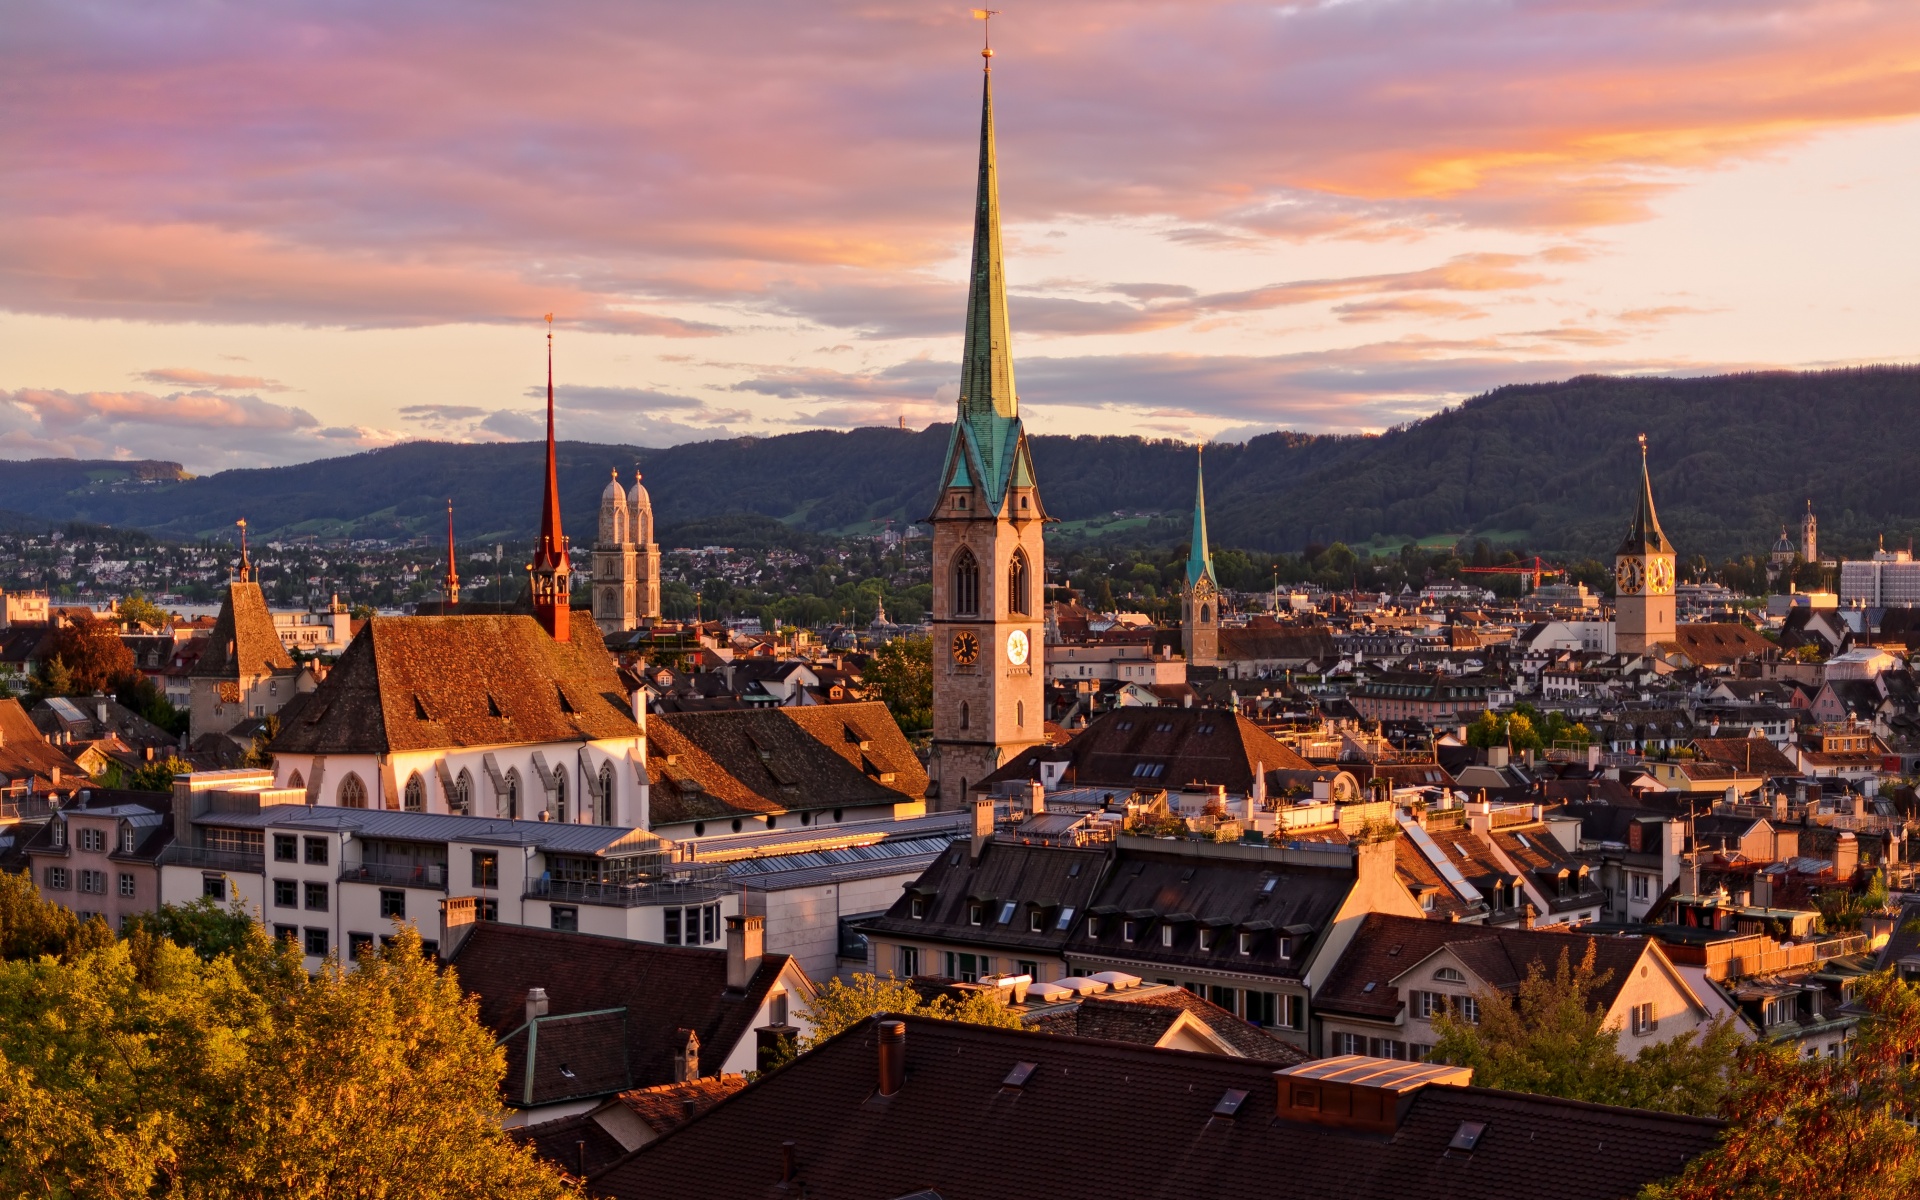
x=1257 y=644
x=26 y=754
x=567 y=1057
x=425 y=683
x=1416 y=872
x=244 y=641
x=664 y=989
x=707 y=765
x=1131 y=748
x=1748 y=755
x=1386 y=946
x=1047 y=879
x=1143 y=1015
x=578 y=1144
x=664 y=1107
x=1099 y=1119
x=1719 y=644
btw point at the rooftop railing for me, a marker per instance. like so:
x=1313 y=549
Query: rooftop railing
x=696 y=886
x=213 y=860
x=415 y=875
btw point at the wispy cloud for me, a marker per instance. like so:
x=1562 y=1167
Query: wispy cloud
x=211 y=380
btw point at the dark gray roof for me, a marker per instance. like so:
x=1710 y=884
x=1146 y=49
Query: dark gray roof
x=440 y=827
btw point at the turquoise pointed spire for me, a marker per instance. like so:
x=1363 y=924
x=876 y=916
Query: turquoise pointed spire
x=1200 y=557
x=988 y=423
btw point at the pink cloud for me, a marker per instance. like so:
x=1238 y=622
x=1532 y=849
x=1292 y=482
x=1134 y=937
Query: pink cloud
x=190 y=377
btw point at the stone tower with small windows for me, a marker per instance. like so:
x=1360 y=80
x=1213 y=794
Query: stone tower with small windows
x=988 y=560
x=1200 y=601
x=1643 y=606
x=626 y=561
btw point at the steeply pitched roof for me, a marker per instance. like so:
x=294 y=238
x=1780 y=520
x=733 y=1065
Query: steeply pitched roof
x=1199 y=556
x=1100 y=1119
x=1386 y=946
x=1032 y=878
x=1169 y=748
x=664 y=1107
x=1143 y=1015
x=1644 y=536
x=1720 y=643
x=422 y=683
x=243 y=641
x=25 y=753
x=663 y=989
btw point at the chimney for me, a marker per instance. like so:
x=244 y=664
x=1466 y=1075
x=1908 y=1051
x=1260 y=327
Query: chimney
x=536 y=1004
x=100 y=712
x=1593 y=756
x=982 y=824
x=746 y=942
x=1762 y=890
x=893 y=1056
x=1037 y=799
x=788 y=1171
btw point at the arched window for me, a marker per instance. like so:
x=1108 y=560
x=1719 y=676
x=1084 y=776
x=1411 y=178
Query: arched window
x=1020 y=712
x=512 y=798
x=966 y=583
x=294 y=780
x=416 y=793
x=560 y=796
x=462 y=799
x=1206 y=613
x=963 y=714
x=606 y=794
x=353 y=793
x=1017 y=605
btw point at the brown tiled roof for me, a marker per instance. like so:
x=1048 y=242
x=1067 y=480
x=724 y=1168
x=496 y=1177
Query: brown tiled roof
x=1416 y=872
x=1099 y=1119
x=560 y=1143
x=243 y=641
x=1257 y=644
x=664 y=989
x=418 y=683
x=1386 y=946
x=665 y=1107
x=583 y=1054
x=707 y=765
x=1717 y=645
x=26 y=754
x=1143 y=1016
x=1030 y=877
x=1748 y=755
x=1186 y=745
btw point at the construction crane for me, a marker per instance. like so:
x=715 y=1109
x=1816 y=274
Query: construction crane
x=1539 y=570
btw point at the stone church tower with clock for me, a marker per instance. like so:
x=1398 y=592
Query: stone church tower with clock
x=1643 y=607
x=989 y=699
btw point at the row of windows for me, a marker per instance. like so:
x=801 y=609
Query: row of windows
x=93 y=883
x=1378 y=1047
x=352 y=793
x=692 y=925
x=966 y=584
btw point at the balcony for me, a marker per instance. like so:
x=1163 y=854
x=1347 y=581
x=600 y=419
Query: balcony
x=413 y=875
x=698 y=886
x=237 y=861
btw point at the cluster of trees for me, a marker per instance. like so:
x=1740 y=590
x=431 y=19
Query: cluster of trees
x=1526 y=729
x=195 y=1057
x=87 y=657
x=901 y=674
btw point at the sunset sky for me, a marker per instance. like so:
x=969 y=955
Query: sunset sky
x=256 y=233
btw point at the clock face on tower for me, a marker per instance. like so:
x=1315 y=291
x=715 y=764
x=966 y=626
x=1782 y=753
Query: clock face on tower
x=1017 y=647
x=966 y=647
x=1628 y=576
x=1659 y=576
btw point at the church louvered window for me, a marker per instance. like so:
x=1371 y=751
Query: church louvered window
x=966 y=583
x=1017 y=586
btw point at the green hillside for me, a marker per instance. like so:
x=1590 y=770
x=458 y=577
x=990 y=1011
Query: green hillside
x=1552 y=466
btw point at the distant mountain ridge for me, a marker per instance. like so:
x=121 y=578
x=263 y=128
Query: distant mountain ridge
x=1553 y=466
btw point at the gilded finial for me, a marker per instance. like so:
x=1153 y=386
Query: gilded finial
x=986 y=33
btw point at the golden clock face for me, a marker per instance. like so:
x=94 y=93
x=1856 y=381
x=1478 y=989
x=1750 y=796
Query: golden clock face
x=1659 y=576
x=966 y=647
x=1017 y=647
x=1627 y=576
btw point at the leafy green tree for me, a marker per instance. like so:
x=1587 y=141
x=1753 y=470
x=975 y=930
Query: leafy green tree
x=52 y=678
x=837 y=1006
x=1552 y=1039
x=143 y=696
x=136 y=609
x=157 y=776
x=30 y=927
x=257 y=754
x=901 y=673
x=1827 y=1128
x=202 y=925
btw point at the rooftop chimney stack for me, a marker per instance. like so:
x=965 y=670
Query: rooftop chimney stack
x=982 y=824
x=746 y=943
x=536 y=1004
x=893 y=1056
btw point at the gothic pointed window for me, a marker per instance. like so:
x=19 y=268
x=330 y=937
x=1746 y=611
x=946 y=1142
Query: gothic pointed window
x=1206 y=613
x=416 y=799
x=963 y=714
x=1017 y=586
x=606 y=794
x=462 y=798
x=353 y=793
x=966 y=583
x=511 y=801
x=560 y=797
x=294 y=781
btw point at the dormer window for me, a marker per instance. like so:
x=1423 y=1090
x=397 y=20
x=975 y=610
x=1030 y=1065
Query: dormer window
x=918 y=908
x=1127 y=930
x=1036 y=921
x=1206 y=939
x=975 y=913
x=59 y=831
x=1246 y=942
x=1166 y=935
x=126 y=839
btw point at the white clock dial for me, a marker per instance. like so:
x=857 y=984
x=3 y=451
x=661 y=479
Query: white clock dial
x=1017 y=647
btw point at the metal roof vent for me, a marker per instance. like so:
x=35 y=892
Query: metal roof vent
x=1017 y=1078
x=1468 y=1135
x=1230 y=1103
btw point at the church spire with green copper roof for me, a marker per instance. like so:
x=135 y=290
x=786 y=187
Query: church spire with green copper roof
x=988 y=422
x=1200 y=557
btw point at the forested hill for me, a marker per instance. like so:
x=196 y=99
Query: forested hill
x=1553 y=466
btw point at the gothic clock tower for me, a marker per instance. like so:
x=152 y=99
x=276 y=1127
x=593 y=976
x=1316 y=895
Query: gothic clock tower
x=988 y=561
x=1643 y=576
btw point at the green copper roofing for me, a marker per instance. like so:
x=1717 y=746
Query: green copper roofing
x=989 y=418
x=1200 y=557
x=1644 y=536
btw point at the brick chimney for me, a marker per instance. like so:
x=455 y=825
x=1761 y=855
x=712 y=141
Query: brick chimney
x=536 y=1004
x=893 y=1056
x=982 y=824
x=746 y=944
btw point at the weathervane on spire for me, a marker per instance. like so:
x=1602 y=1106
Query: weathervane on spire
x=986 y=15
x=246 y=566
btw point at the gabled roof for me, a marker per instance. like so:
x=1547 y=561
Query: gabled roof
x=1169 y=748
x=1097 y=1118
x=428 y=683
x=1042 y=878
x=707 y=765
x=26 y=754
x=1144 y=1015
x=1385 y=947
x=1719 y=643
x=244 y=641
x=658 y=991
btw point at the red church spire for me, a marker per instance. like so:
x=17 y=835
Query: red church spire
x=452 y=581
x=550 y=569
